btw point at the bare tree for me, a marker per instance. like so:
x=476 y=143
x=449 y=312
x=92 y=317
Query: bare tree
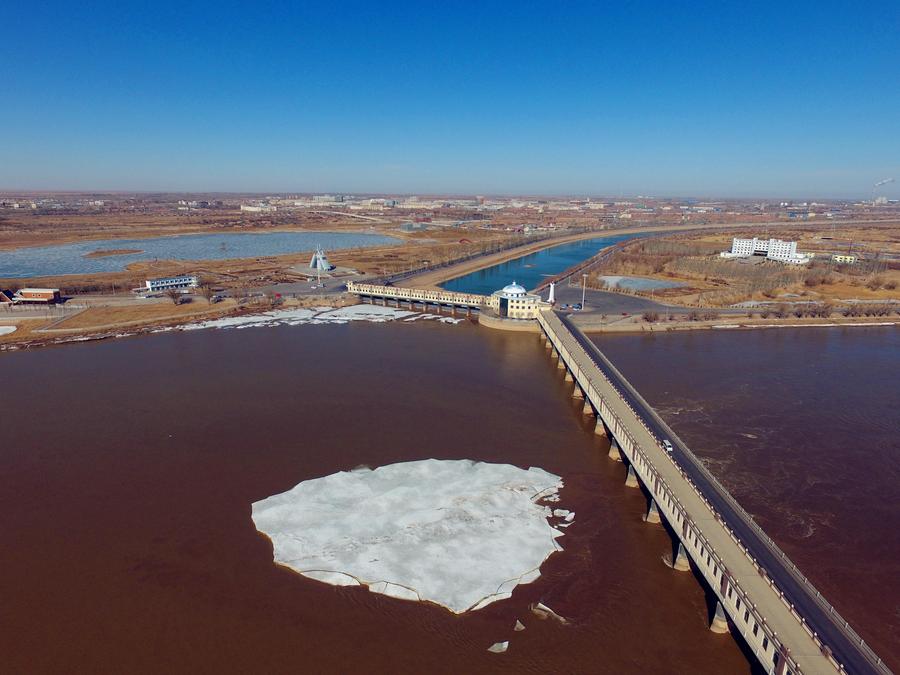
x=207 y=291
x=174 y=296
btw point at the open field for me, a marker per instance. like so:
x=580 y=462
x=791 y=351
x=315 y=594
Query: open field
x=23 y=228
x=96 y=318
x=415 y=250
x=707 y=280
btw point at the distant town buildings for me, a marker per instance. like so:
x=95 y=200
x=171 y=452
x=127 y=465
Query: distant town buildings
x=844 y=259
x=259 y=208
x=772 y=249
x=413 y=227
x=169 y=283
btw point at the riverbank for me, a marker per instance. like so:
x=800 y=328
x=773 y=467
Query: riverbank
x=102 y=322
x=635 y=324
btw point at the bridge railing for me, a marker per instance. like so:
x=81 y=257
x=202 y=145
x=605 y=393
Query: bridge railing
x=813 y=592
x=661 y=483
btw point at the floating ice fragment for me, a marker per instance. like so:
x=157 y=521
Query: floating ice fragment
x=543 y=612
x=499 y=647
x=458 y=533
x=519 y=626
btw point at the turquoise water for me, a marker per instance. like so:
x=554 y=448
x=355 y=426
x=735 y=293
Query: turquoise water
x=532 y=269
x=70 y=258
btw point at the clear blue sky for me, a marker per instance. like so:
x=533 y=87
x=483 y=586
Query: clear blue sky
x=795 y=99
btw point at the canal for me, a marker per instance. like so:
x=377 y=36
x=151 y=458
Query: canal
x=530 y=270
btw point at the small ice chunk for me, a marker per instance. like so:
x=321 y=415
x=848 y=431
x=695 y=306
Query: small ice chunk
x=560 y=513
x=543 y=612
x=499 y=647
x=519 y=626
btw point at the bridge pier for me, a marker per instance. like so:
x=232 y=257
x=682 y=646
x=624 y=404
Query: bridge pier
x=560 y=363
x=681 y=562
x=652 y=513
x=615 y=452
x=631 y=479
x=568 y=376
x=588 y=409
x=600 y=428
x=576 y=392
x=719 y=622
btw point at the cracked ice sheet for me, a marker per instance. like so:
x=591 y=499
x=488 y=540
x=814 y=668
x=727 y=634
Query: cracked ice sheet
x=458 y=533
x=301 y=316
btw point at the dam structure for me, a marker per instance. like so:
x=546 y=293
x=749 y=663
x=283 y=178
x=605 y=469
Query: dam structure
x=510 y=308
x=760 y=594
x=467 y=302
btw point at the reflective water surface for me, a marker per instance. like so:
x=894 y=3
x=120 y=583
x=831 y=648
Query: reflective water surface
x=801 y=425
x=532 y=269
x=129 y=468
x=70 y=258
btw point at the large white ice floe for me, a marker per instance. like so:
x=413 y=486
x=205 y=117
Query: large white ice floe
x=317 y=315
x=458 y=533
x=6 y=330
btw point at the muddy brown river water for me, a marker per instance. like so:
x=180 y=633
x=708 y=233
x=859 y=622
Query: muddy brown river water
x=129 y=467
x=803 y=428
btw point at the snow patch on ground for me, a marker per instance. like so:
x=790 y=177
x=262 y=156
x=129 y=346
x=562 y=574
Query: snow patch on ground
x=6 y=330
x=458 y=533
x=318 y=315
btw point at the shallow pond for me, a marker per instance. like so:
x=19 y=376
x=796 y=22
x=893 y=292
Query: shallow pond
x=71 y=258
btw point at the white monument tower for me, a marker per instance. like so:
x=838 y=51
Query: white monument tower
x=552 y=297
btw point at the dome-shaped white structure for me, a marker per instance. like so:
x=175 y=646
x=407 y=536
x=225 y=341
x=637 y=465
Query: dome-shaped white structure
x=514 y=302
x=514 y=290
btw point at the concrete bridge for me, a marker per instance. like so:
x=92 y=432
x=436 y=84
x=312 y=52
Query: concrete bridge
x=761 y=595
x=415 y=296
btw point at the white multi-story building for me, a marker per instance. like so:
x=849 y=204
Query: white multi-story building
x=168 y=283
x=773 y=249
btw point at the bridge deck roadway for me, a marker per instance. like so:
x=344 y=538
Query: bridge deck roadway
x=680 y=485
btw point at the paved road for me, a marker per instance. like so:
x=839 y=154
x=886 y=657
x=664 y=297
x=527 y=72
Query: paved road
x=814 y=609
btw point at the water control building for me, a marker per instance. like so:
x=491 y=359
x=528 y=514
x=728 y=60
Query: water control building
x=514 y=302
